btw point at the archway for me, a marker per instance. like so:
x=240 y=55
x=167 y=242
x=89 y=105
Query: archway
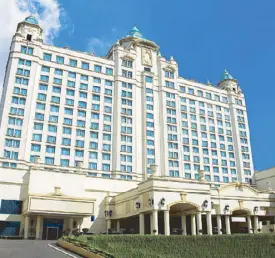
x=240 y=220
x=181 y=216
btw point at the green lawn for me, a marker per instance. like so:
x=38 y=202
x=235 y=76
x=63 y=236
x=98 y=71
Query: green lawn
x=217 y=246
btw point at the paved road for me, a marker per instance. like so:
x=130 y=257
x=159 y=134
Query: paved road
x=28 y=249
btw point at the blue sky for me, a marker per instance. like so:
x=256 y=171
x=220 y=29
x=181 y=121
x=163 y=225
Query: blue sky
x=204 y=36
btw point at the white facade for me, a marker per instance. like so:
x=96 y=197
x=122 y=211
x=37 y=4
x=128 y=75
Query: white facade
x=119 y=114
x=81 y=136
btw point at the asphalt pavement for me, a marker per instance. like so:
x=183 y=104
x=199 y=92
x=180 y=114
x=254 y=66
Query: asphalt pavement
x=30 y=249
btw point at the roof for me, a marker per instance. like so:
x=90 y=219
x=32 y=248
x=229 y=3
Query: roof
x=226 y=76
x=31 y=19
x=134 y=32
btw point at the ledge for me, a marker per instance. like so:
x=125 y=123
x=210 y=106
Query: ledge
x=77 y=250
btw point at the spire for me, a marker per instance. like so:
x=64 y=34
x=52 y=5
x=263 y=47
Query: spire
x=226 y=76
x=31 y=19
x=135 y=33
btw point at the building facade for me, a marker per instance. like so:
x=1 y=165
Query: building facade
x=81 y=135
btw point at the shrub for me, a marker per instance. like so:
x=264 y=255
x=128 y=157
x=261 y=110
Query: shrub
x=176 y=246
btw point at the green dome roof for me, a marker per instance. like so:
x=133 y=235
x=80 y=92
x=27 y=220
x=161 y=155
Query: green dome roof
x=32 y=20
x=226 y=76
x=135 y=33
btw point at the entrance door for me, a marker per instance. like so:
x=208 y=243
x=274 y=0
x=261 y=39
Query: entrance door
x=52 y=233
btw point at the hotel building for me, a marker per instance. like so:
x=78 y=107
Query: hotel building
x=94 y=142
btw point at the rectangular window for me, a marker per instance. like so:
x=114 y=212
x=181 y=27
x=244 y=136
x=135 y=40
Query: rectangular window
x=47 y=57
x=97 y=68
x=109 y=71
x=27 y=50
x=60 y=59
x=85 y=65
x=73 y=62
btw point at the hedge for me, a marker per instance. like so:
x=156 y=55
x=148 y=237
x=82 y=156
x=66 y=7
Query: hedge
x=176 y=246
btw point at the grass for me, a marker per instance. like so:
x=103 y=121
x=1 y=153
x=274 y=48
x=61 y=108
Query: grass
x=217 y=246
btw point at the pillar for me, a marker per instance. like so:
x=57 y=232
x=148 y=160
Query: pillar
x=183 y=224
x=249 y=226
x=26 y=227
x=209 y=223
x=219 y=224
x=166 y=223
x=227 y=224
x=199 y=224
x=118 y=225
x=80 y=224
x=38 y=227
x=71 y=224
x=256 y=222
x=155 y=222
x=193 y=224
x=109 y=226
x=141 y=224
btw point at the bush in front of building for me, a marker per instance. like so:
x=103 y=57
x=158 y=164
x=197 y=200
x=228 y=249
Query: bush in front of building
x=147 y=246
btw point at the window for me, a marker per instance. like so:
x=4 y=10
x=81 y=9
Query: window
x=84 y=77
x=127 y=74
x=45 y=69
x=148 y=79
x=85 y=65
x=49 y=161
x=58 y=72
x=27 y=50
x=47 y=57
x=60 y=59
x=97 y=68
x=73 y=62
x=57 y=81
x=10 y=207
x=169 y=74
x=127 y=63
x=109 y=71
x=44 y=78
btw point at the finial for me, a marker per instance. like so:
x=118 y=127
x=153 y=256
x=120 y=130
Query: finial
x=159 y=54
x=172 y=58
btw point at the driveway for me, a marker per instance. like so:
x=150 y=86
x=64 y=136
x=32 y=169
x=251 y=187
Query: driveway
x=28 y=249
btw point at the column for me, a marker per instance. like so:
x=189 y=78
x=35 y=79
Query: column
x=183 y=224
x=193 y=224
x=141 y=224
x=109 y=226
x=199 y=224
x=80 y=224
x=219 y=224
x=151 y=222
x=256 y=222
x=71 y=224
x=166 y=223
x=26 y=227
x=118 y=225
x=38 y=227
x=249 y=226
x=227 y=224
x=209 y=223
x=155 y=222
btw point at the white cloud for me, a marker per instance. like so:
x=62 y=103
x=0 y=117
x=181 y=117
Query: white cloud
x=12 y=12
x=100 y=45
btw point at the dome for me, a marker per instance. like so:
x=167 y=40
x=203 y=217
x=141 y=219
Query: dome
x=135 y=33
x=32 y=20
x=226 y=76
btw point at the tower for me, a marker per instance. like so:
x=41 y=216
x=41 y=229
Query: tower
x=29 y=29
x=228 y=82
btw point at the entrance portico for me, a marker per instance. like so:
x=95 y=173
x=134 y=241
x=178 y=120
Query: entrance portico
x=166 y=206
x=47 y=216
